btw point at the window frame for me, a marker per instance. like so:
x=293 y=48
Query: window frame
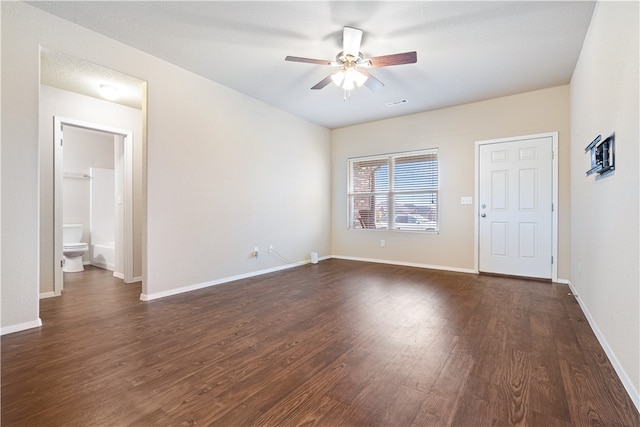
x=391 y=194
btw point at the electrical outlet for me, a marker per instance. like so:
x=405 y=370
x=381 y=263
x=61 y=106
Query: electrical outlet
x=382 y=242
x=256 y=251
x=270 y=249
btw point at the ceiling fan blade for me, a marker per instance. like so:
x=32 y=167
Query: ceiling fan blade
x=351 y=39
x=322 y=83
x=371 y=82
x=395 y=59
x=307 y=60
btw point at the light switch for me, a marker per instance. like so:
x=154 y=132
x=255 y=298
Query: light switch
x=466 y=200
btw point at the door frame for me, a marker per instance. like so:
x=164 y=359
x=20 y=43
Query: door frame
x=554 y=187
x=58 y=124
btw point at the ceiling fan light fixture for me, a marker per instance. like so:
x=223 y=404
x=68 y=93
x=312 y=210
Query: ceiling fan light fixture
x=338 y=78
x=348 y=79
x=350 y=59
x=358 y=77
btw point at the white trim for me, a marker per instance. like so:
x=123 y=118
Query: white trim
x=554 y=186
x=58 y=256
x=128 y=206
x=189 y=288
x=21 y=327
x=132 y=280
x=407 y=264
x=626 y=382
x=49 y=294
x=100 y=264
x=127 y=135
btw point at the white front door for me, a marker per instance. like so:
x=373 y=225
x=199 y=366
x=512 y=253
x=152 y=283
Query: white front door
x=515 y=207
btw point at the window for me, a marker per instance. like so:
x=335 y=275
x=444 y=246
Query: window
x=395 y=191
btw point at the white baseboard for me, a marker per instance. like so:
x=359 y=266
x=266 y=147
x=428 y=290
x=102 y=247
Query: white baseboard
x=21 y=327
x=133 y=279
x=157 y=295
x=408 y=264
x=633 y=393
x=105 y=265
x=49 y=294
x=150 y=297
x=121 y=276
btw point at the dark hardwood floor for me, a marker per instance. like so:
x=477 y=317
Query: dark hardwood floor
x=337 y=343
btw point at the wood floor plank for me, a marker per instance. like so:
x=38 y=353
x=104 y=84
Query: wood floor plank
x=444 y=398
x=516 y=381
x=547 y=392
x=336 y=343
x=294 y=407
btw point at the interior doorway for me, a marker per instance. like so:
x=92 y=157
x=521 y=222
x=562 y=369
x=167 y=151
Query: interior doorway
x=517 y=199
x=122 y=186
x=72 y=95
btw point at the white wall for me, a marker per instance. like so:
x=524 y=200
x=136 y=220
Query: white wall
x=57 y=102
x=19 y=229
x=225 y=172
x=605 y=212
x=230 y=173
x=454 y=131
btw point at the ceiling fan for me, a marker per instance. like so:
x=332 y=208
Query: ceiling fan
x=352 y=65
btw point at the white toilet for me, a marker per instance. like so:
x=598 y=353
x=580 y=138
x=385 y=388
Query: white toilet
x=73 y=248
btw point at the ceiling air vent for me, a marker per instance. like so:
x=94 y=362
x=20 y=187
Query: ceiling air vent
x=394 y=103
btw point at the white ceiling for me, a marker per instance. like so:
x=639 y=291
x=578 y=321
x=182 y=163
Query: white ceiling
x=64 y=71
x=467 y=51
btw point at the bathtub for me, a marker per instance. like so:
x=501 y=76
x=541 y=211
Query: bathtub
x=103 y=255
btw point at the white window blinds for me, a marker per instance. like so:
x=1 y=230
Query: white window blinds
x=395 y=192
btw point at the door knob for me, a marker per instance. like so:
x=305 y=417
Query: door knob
x=483 y=215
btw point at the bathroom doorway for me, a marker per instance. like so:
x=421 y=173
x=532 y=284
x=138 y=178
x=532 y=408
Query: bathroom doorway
x=93 y=187
x=80 y=96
